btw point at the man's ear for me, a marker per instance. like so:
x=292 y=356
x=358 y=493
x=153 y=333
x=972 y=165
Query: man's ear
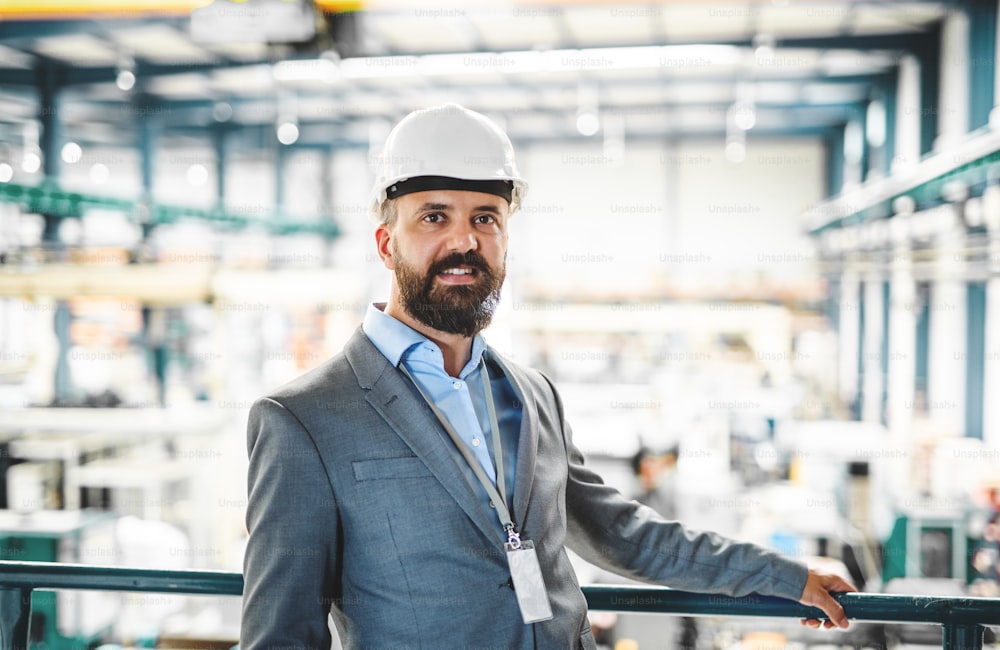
x=383 y=240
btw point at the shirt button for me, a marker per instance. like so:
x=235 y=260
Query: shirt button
x=456 y=385
x=475 y=442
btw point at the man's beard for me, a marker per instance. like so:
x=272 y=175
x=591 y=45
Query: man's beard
x=464 y=309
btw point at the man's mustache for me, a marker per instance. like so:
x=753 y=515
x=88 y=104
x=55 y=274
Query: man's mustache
x=470 y=258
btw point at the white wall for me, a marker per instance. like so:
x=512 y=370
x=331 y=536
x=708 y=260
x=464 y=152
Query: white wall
x=745 y=216
x=589 y=223
x=679 y=214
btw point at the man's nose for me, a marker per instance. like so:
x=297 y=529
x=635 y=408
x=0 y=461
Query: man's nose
x=462 y=238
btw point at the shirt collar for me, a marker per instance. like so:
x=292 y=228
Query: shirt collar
x=394 y=339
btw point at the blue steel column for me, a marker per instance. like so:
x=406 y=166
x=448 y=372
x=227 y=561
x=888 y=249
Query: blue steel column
x=923 y=301
x=49 y=78
x=832 y=305
x=859 y=396
x=982 y=60
x=280 y=164
x=15 y=613
x=957 y=636
x=219 y=143
x=149 y=133
x=834 y=161
x=929 y=55
x=861 y=114
x=149 y=124
x=975 y=359
x=889 y=90
x=147 y=140
x=327 y=210
x=849 y=335
x=873 y=349
x=884 y=352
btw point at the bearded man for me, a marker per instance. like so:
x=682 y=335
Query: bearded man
x=421 y=490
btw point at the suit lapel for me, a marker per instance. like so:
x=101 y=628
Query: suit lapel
x=396 y=400
x=527 y=446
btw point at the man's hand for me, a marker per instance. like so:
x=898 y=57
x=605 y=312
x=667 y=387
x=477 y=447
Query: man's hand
x=816 y=593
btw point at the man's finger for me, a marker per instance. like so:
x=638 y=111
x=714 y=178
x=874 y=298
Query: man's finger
x=817 y=594
x=833 y=610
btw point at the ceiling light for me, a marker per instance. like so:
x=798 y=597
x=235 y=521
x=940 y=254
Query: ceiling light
x=125 y=80
x=613 y=147
x=222 y=111
x=736 y=136
x=6 y=172
x=322 y=69
x=875 y=123
x=587 y=123
x=31 y=162
x=854 y=143
x=763 y=53
x=99 y=173
x=522 y=62
x=287 y=124
x=31 y=158
x=197 y=175
x=743 y=115
x=288 y=132
x=71 y=153
x=587 y=101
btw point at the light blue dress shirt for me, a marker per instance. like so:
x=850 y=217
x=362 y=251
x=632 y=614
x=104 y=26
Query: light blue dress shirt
x=461 y=399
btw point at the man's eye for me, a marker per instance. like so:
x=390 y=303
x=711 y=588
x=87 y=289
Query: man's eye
x=433 y=217
x=485 y=218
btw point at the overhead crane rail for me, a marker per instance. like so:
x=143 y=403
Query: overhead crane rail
x=49 y=199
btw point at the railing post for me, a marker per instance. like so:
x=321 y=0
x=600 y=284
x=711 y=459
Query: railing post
x=15 y=610
x=962 y=636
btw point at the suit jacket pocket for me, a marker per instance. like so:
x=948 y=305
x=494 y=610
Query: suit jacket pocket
x=390 y=468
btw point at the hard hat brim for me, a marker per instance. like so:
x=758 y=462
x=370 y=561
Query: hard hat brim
x=502 y=188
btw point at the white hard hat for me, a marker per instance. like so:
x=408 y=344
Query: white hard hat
x=447 y=147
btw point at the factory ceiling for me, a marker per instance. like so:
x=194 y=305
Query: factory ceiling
x=116 y=72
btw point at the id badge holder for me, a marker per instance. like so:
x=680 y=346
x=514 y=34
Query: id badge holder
x=528 y=583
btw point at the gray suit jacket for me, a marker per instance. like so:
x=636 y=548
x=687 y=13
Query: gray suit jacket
x=357 y=502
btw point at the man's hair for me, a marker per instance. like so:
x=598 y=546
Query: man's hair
x=644 y=452
x=386 y=212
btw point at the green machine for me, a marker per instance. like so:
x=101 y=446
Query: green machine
x=64 y=620
x=928 y=543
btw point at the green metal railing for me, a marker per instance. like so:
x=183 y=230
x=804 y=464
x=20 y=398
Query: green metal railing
x=963 y=619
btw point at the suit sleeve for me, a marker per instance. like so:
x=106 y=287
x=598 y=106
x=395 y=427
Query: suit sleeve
x=633 y=540
x=291 y=566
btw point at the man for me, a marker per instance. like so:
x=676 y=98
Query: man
x=655 y=474
x=425 y=488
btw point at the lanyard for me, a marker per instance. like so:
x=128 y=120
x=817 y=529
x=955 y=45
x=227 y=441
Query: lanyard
x=497 y=493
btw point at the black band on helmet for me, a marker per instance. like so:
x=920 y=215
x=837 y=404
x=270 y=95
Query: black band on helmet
x=501 y=188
